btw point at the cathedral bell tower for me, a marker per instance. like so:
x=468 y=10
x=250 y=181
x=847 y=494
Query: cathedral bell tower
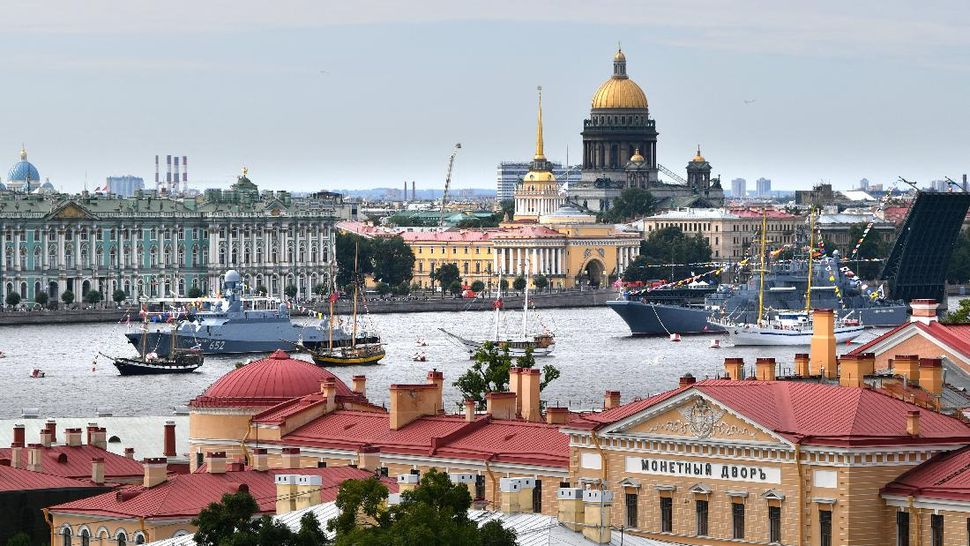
x=699 y=173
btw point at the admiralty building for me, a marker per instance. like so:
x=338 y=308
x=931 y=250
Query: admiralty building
x=159 y=246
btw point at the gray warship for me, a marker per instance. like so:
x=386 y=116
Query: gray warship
x=652 y=312
x=234 y=325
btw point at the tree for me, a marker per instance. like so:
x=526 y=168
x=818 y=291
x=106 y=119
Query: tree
x=633 y=203
x=290 y=290
x=383 y=288
x=670 y=245
x=445 y=275
x=20 y=539
x=478 y=286
x=455 y=288
x=540 y=282
x=93 y=296
x=393 y=260
x=490 y=372
x=961 y=315
x=13 y=299
x=506 y=208
x=519 y=283
x=320 y=289
x=504 y=285
x=959 y=269
x=119 y=295
x=194 y=292
x=230 y=522
x=41 y=298
x=349 y=245
x=403 y=289
x=261 y=290
x=639 y=270
x=67 y=297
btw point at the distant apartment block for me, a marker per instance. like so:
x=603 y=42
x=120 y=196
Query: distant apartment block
x=739 y=188
x=763 y=187
x=125 y=186
x=510 y=172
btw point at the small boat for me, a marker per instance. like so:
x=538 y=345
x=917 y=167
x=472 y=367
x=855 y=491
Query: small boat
x=715 y=344
x=151 y=363
x=419 y=357
x=421 y=342
x=675 y=337
x=36 y=373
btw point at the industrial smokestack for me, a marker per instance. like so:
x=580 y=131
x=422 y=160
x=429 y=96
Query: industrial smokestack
x=405 y=196
x=965 y=187
x=185 y=168
x=175 y=179
x=414 y=194
x=168 y=170
x=156 y=171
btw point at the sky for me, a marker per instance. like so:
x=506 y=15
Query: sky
x=313 y=94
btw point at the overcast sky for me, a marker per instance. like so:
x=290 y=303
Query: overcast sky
x=314 y=94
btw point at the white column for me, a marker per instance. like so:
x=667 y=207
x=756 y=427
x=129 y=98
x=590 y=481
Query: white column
x=534 y=266
x=495 y=252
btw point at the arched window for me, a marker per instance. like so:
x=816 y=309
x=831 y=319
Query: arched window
x=85 y=537
x=66 y=536
x=121 y=538
x=139 y=538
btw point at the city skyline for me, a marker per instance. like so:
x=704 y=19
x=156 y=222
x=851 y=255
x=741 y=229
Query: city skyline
x=312 y=97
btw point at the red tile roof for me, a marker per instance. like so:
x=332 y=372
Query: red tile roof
x=267 y=382
x=756 y=213
x=185 y=495
x=814 y=413
x=512 y=442
x=17 y=479
x=75 y=462
x=945 y=476
x=954 y=336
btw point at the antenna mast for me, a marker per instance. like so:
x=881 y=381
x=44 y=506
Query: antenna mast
x=444 y=196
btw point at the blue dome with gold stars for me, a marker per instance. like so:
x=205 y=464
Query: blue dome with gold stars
x=23 y=170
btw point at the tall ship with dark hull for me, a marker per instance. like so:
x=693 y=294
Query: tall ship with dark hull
x=238 y=325
x=786 y=283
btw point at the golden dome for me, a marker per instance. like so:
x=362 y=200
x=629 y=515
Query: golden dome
x=23 y=153
x=619 y=91
x=698 y=158
x=539 y=176
x=637 y=157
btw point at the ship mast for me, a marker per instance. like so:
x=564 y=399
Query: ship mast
x=811 y=258
x=353 y=340
x=764 y=242
x=525 y=303
x=333 y=287
x=498 y=305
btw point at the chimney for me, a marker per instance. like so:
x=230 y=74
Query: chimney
x=437 y=379
x=130 y=452
x=597 y=504
x=557 y=416
x=410 y=402
x=407 y=482
x=571 y=511
x=517 y=495
x=286 y=493
x=765 y=369
x=45 y=437
x=611 y=400
x=867 y=364
x=17 y=455
x=466 y=479
x=260 y=460
x=369 y=458
x=907 y=366
x=469 y=410
x=734 y=368
x=500 y=405
x=72 y=437
x=308 y=491
x=328 y=387
x=19 y=435
x=35 y=457
x=215 y=462
x=923 y=311
x=686 y=380
x=90 y=430
x=156 y=471
x=360 y=385
x=802 y=368
x=850 y=371
x=531 y=379
x=101 y=438
x=97 y=470
x=931 y=375
x=823 y=344
x=912 y=423
x=291 y=457
x=515 y=385
x=51 y=427
x=169 y=439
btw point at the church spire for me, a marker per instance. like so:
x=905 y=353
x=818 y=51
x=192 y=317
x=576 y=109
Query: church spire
x=540 y=156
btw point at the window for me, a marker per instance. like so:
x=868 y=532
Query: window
x=666 y=515
x=66 y=536
x=737 y=518
x=479 y=487
x=700 y=509
x=631 y=510
x=936 y=529
x=537 y=497
x=774 y=524
x=825 y=528
x=85 y=537
x=902 y=528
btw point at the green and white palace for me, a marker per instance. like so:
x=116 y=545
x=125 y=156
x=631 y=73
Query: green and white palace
x=160 y=246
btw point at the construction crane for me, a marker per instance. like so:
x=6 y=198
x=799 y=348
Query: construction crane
x=672 y=174
x=444 y=196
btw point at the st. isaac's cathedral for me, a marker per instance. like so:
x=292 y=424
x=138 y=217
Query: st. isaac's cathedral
x=620 y=151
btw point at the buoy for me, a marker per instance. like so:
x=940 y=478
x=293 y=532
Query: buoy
x=715 y=344
x=674 y=337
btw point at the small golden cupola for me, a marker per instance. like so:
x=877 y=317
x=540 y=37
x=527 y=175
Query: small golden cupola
x=637 y=157
x=698 y=158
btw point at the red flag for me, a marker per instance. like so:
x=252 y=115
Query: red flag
x=334 y=296
x=498 y=303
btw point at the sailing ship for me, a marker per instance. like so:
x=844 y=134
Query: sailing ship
x=179 y=360
x=357 y=353
x=790 y=328
x=540 y=344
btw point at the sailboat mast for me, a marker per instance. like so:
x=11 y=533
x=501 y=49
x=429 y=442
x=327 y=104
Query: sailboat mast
x=764 y=243
x=144 y=336
x=811 y=258
x=498 y=305
x=353 y=340
x=525 y=303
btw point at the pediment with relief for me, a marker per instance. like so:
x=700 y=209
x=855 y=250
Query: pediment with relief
x=71 y=211
x=695 y=417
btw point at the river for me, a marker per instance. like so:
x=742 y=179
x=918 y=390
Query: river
x=594 y=352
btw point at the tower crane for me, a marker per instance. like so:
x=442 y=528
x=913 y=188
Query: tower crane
x=444 y=196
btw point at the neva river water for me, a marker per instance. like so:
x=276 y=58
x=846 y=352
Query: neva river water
x=594 y=352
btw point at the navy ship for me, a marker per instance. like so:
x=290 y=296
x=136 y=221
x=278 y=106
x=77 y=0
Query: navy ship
x=235 y=325
x=785 y=289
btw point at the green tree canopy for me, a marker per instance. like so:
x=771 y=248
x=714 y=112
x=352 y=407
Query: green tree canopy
x=42 y=298
x=504 y=285
x=383 y=288
x=506 y=208
x=490 y=372
x=670 y=245
x=960 y=315
x=67 y=297
x=455 y=287
x=13 y=298
x=519 y=283
x=347 y=245
x=959 y=268
x=230 y=522
x=477 y=286
x=20 y=539
x=290 y=290
x=540 y=282
x=93 y=296
x=393 y=260
x=194 y=292
x=445 y=275
x=632 y=203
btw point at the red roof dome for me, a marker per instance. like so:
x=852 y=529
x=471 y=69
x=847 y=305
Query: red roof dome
x=267 y=382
